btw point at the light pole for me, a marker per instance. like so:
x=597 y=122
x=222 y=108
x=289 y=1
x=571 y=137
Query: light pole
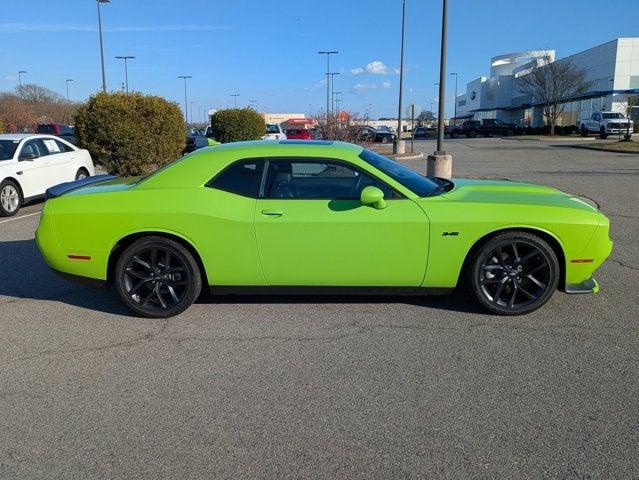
x=440 y=164
x=126 y=69
x=235 y=95
x=186 y=104
x=101 y=43
x=328 y=71
x=191 y=117
x=332 y=74
x=20 y=72
x=335 y=94
x=253 y=104
x=67 y=81
x=399 y=145
x=455 y=73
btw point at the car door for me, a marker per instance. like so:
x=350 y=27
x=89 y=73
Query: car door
x=312 y=229
x=62 y=159
x=33 y=167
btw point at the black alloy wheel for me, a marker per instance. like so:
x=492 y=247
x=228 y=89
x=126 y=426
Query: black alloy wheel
x=514 y=273
x=157 y=277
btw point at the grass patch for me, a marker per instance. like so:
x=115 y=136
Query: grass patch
x=625 y=147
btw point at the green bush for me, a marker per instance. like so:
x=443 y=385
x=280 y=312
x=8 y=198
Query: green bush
x=130 y=134
x=238 y=124
x=1 y=126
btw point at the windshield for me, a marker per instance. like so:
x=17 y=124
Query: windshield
x=7 y=149
x=613 y=115
x=410 y=179
x=272 y=129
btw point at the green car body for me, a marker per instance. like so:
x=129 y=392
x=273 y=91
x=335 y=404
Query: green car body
x=413 y=241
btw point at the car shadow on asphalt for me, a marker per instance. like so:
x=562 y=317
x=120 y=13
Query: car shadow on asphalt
x=25 y=275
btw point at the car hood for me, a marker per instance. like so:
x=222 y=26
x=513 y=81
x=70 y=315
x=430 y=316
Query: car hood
x=510 y=192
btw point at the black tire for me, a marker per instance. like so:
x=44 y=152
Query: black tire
x=521 y=280
x=385 y=139
x=583 y=131
x=627 y=136
x=81 y=173
x=472 y=134
x=10 y=198
x=602 y=133
x=154 y=283
x=509 y=132
x=454 y=134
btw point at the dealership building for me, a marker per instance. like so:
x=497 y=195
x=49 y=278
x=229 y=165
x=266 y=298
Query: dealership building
x=612 y=72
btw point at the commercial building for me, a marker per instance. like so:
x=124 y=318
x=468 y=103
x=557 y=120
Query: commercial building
x=612 y=70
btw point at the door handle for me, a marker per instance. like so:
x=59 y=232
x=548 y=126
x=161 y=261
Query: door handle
x=272 y=213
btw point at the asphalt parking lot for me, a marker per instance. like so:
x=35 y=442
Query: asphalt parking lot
x=331 y=387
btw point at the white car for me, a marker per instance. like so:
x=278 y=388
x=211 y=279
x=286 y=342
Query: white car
x=274 y=132
x=606 y=123
x=29 y=164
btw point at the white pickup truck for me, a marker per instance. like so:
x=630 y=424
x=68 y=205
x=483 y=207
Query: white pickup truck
x=606 y=123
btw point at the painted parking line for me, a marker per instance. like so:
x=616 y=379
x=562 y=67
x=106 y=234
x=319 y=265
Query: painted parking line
x=20 y=217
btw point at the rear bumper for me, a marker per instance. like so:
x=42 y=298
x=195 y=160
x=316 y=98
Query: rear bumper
x=587 y=286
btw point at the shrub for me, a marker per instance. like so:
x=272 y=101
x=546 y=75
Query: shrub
x=130 y=134
x=237 y=124
x=1 y=126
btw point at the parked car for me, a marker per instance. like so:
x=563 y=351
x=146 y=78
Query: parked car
x=316 y=217
x=67 y=132
x=367 y=133
x=274 y=132
x=425 y=132
x=487 y=127
x=29 y=164
x=606 y=123
x=298 y=134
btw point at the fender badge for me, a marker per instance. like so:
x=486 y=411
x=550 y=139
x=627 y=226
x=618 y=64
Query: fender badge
x=450 y=234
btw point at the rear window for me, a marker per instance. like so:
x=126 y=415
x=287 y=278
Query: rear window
x=272 y=129
x=48 y=129
x=242 y=178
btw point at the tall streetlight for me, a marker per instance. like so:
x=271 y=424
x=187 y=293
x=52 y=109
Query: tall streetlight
x=101 y=43
x=191 y=117
x=440 y=164
x=328 y=71
x=332 y=74
x=186 y=103
x=335 y=94
x=20 y=72
x=67 y=81
x=235 y=95
x=455 y=73
x=253 y=104
x=126 y=69
x=399 y=147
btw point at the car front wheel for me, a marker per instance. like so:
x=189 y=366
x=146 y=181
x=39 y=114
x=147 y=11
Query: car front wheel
x=10 y=198
x=514 y=273
x=156 y=277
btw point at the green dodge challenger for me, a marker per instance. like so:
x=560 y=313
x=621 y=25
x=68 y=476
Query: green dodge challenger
x=316 y=216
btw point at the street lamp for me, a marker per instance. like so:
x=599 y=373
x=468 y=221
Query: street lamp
x=126 y=70
x=67 y=81
x=253 y=104
x=455 y=73
x=20 y=72
x=191 y=117
x=101 y=43
x=398 y=147
x=235 y=95
x=335 y=94
x=328 y=70
x=333 y=89
x=186 y=104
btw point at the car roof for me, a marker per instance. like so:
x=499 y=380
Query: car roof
x=288 y=144
x=17 y=136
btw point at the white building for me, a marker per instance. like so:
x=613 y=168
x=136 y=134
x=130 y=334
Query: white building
x=612 y=70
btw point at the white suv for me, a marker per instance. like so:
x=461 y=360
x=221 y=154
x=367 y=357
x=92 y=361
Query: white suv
x=29 y=164
x=606 y=123
x=274 y=132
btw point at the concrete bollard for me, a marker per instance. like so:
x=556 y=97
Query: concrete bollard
x=399 y=147
x=439 y=165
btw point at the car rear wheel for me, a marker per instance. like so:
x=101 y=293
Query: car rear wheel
x=584 y=132
x=10 y=198
x=81 y=174
x=157 y=277
x=602 y=133
x=385 y=139
x=454 y=134
x=471 y=134
x=514 y=273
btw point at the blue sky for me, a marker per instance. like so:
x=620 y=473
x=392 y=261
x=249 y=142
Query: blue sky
x=266 y=50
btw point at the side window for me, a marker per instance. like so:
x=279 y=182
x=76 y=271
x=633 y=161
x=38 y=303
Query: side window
x=52 y=146
x=63 y=146
x=317 y=180
x=242 y=178
x=33 y=149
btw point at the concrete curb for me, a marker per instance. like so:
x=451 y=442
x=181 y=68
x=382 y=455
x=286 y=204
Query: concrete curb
x=416 y=156
x=603 y=149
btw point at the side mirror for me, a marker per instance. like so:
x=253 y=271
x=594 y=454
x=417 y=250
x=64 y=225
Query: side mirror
x=27 y=156
x=373 y=196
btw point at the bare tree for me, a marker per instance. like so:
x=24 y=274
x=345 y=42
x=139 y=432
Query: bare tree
x=343 y=126
x=553 y=84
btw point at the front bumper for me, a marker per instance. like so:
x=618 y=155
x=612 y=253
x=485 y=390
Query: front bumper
x=587 y=286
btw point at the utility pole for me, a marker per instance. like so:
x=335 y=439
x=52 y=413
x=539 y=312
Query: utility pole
x=186 y=103
x=126 y=70
x=101 y=43
x=400 y=146
x=67 y=81
x=20 y=72
x=235 y=95
x=440 y=164
x=328 y=72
